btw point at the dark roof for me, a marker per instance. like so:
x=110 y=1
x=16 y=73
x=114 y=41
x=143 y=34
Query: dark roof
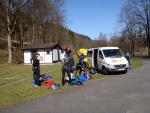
x=41 y=46
x=64 y=47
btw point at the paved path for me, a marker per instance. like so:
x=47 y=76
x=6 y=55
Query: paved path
x=126 y=93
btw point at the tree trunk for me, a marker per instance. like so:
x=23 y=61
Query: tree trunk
x=9 y=35
x=9 y=48
x=33 y=32
x=21 y=34
x=148 y=45
x=133 y=52
x=148 y=25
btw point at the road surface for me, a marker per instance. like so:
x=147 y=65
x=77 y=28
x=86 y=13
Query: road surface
x=126 y=93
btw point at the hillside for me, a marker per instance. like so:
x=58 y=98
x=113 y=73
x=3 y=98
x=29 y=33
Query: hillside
x=17 y=54
x=74 y=42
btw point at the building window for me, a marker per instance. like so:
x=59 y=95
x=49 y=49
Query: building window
x=47 y=52
x=62 y=52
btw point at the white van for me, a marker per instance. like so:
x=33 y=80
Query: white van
x=107 y=59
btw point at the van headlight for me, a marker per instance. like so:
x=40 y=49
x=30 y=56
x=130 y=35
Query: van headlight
x=110 y=65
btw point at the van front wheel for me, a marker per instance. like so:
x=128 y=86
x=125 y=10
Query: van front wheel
x=105 y=71
x=124 y=72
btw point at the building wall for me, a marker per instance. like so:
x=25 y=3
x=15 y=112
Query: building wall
x=41 y=52
x=49 y=55
x=63 y=52
x=27 y=56
x=47 y=58
x=55 y=55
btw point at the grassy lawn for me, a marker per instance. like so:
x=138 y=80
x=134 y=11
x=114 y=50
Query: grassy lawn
x=22 y=89
x=136 y=63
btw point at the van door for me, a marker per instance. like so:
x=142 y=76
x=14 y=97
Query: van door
x=95 y=54
x=100 y=60
x=90 y=54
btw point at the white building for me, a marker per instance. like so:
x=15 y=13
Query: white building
x=51 y=53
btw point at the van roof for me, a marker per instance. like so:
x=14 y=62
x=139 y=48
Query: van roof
x=108 y=47
x=104 y=48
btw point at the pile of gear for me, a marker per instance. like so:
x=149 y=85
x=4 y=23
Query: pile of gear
x=45 y=81
x=78 y=80
x=84 y=64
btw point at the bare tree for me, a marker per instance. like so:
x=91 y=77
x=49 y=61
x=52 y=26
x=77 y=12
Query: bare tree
x=20 y=26
x=127 y=17
x=135 y=14
x=39 y=21
x=103 y=40
x=56 y=18
x=9 y=16
x=114 y=40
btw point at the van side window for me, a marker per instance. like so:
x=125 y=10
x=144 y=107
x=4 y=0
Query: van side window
x=100 y=54
x=89 y=54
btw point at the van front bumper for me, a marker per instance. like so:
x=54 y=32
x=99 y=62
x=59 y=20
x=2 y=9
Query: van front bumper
x=117 y=68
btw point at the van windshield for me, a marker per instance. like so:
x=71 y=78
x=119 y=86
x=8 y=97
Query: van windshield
x=114 y=53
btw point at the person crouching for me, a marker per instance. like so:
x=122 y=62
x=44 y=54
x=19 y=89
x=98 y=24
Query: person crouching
x=66 y=69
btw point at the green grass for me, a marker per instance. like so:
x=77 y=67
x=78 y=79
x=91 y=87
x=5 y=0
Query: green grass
x=10 y=73
x=136 y=63
x=24 y=91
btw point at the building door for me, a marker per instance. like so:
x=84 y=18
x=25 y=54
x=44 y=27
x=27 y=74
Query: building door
x=33 y=53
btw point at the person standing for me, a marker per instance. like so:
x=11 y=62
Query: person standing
x=71 y=60
x=64 y=59
x=128 y=58
x=36 y=69
x=81 y=62
x=66 y=69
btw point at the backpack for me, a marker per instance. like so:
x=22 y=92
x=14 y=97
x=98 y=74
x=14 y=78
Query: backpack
x=92 y=71
x=55 y=86
x=48 y=83
x=81 y=78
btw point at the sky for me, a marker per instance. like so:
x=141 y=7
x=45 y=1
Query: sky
x=92 y=17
